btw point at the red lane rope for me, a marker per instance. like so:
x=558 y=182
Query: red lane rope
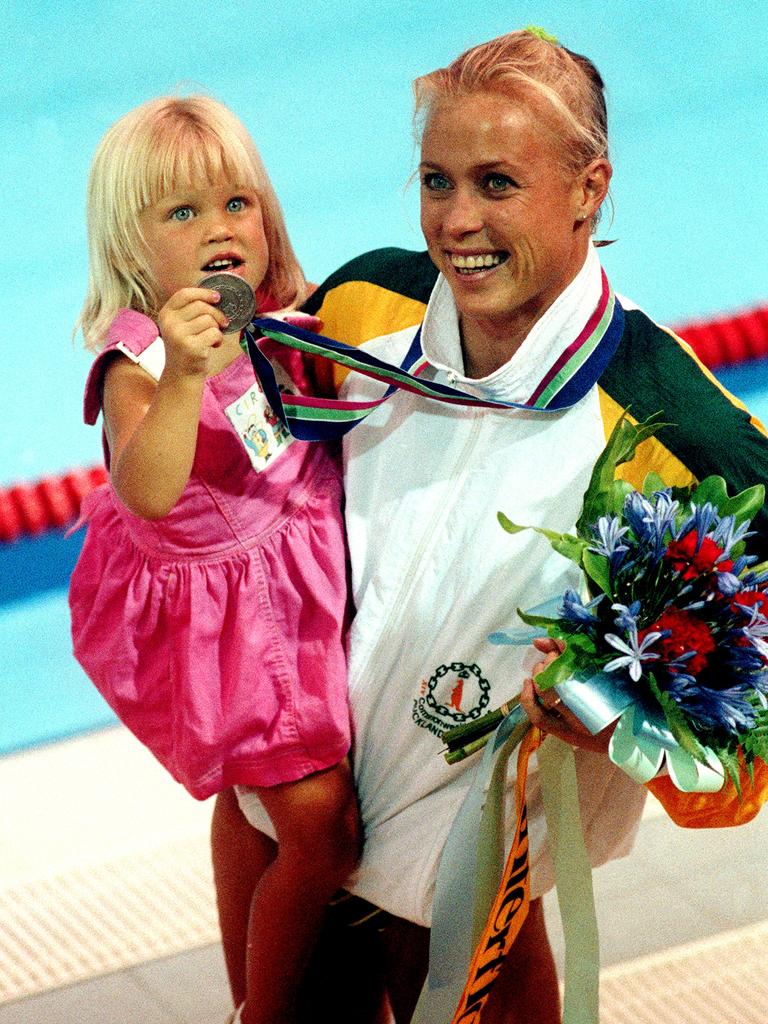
x=729 y=340
x=54 y=501
x=33 y=508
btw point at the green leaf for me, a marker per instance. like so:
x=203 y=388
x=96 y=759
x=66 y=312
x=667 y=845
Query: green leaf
x=712 y=489
x=677 y=722
x=617 y=495
x=744 y=505
x=544 y=621
x=755 y=742
x=652 y=483
x=597 y=567
x=730 y=762
x=508 y=525
x=564 y=543
x=578 y=655
x=621 y=447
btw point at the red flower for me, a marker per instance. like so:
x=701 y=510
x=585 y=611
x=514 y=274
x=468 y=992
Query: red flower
x=691 y=563
x=687 y=633
x=751 y=599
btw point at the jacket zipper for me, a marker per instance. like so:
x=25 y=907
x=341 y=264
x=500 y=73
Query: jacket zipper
x=428 y=538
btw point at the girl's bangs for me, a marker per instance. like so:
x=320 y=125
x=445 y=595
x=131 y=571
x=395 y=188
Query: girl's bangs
x=191 y=158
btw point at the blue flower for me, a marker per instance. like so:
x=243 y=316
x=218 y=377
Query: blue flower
x=663 y=522
x=573 y=608
x=741 y=564
x=703 y=518
x=609 y=533
x=728 y=710
x=728 y=583
x=726 y=533
x=639 y=513
x=740 y=658
x=633 y=654
x=627 y=617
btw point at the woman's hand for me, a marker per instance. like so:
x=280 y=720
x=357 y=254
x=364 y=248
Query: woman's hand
x=548 y=712
x=191 y=326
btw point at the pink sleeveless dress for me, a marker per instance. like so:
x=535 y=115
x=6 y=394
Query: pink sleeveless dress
x=217 y=633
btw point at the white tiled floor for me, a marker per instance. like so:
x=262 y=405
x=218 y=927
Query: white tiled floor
x=680 y=885
x=677 y=887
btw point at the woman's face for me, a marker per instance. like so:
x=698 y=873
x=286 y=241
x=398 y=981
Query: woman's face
x=504 y=221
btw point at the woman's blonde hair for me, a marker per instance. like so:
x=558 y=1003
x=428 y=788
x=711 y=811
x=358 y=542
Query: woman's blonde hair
x=162 y=145
x=520 y=64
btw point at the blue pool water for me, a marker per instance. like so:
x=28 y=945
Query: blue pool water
x=46 y=697
x=325 y=90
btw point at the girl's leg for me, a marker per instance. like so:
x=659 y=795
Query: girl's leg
x=406 y=959
x=345 y=982
x=241 y=855
x=318 y=844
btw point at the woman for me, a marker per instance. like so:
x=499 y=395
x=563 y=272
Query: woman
x=514 y=170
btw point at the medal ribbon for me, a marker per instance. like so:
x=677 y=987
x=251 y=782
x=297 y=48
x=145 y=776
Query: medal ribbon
x=480 y=907
x=564 y=383
x=510 y=906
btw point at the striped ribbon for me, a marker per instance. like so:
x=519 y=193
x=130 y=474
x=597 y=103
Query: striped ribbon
x=563 y=384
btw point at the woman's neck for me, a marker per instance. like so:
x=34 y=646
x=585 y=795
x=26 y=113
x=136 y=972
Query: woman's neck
x=489 y=342
x=487 y=345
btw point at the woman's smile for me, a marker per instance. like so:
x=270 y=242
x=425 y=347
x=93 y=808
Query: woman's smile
x=475 y=263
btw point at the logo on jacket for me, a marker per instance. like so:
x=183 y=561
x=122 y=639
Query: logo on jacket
x=455 y=693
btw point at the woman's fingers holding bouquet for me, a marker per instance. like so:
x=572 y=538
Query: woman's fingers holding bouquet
x=551 y=649
x=542 y=705
x=548 y=712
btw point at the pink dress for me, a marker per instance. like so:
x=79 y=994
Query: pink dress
x=217 y=633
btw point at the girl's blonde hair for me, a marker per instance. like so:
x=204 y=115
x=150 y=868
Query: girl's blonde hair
x=162 y=145
x=520 y=64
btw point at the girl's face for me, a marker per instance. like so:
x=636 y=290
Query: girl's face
x=197 y=230
x=504 y=221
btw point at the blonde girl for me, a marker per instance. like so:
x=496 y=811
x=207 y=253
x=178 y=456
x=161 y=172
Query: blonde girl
x=209 y=602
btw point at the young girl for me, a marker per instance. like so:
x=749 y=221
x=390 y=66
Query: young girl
x=208 y=605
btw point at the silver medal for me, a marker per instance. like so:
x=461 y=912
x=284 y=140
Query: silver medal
x=238 y=303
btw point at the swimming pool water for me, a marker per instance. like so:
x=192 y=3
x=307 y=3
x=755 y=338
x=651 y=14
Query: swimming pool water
x=45 y=694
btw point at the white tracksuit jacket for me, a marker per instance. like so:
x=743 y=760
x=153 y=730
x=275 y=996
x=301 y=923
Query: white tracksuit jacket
x=434 y=574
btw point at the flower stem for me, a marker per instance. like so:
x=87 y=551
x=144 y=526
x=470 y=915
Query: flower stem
x=469 y=737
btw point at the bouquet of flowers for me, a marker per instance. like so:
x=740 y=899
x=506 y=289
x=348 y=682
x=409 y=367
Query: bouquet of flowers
x=673 y=614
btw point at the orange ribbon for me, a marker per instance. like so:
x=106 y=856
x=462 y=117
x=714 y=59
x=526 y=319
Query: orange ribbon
x=510 y=906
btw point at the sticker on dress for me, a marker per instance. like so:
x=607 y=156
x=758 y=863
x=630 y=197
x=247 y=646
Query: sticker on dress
x=263 y=434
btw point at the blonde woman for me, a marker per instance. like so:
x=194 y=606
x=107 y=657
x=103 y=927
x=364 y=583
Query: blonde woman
x=513 y=305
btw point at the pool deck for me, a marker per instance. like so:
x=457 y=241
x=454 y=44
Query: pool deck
x=107 y=911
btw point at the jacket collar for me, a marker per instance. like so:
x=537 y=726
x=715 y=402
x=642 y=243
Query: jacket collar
x=547 y=340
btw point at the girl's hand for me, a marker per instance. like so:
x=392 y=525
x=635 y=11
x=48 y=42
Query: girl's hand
x=191 y=326
x=548 y=712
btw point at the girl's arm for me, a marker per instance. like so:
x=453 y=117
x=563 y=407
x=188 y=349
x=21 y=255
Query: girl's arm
x=152 y=427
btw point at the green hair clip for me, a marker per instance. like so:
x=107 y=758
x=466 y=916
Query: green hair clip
x=536 y=30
